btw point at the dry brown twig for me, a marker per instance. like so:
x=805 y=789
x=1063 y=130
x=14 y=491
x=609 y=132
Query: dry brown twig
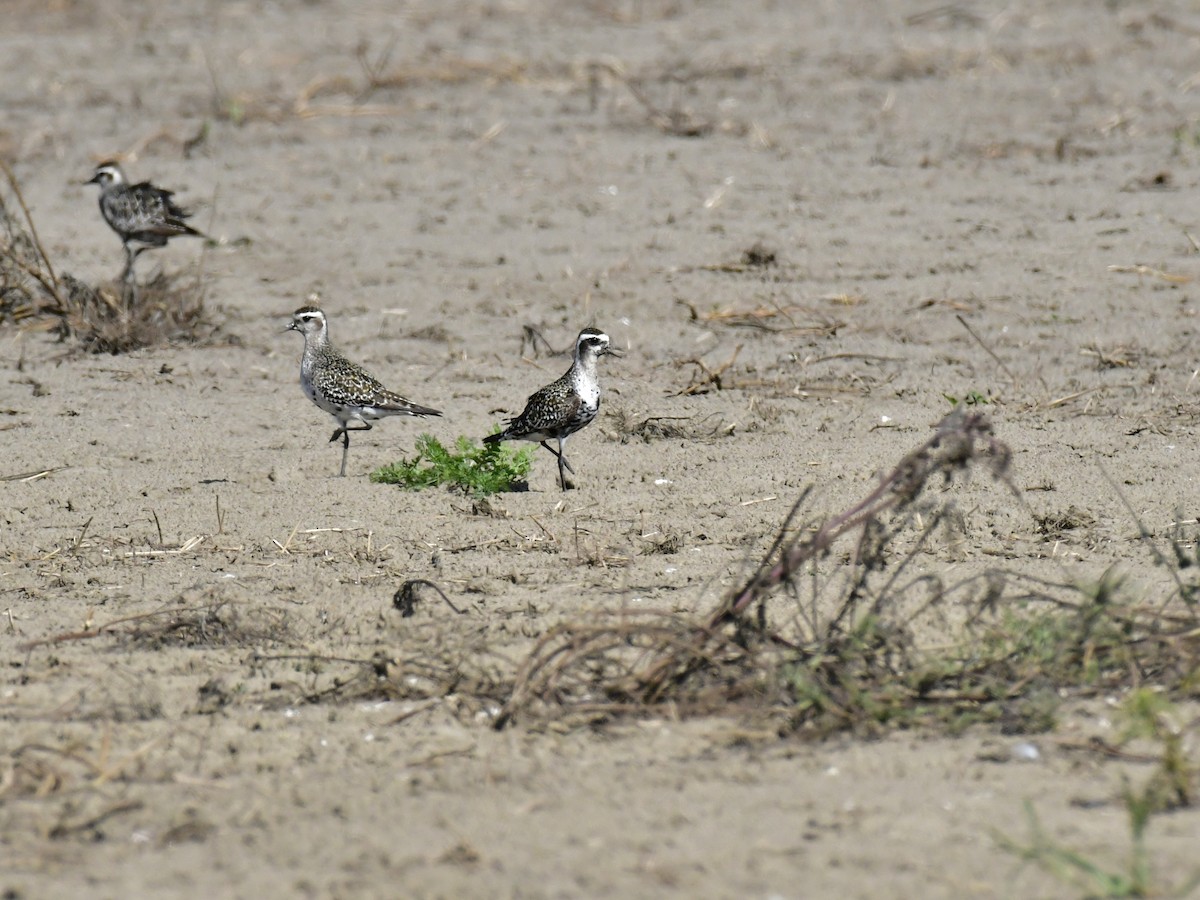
x=760 y=317
x=1119 y=357
x=674 y=121
x=705 y=378
x=989 y=351
x=34 y=475
x=533 y=337
x=163 y=135
x=1153 y=273
x=91 y=823
x=39 y=269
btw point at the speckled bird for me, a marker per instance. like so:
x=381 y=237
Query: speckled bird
x=562 y=408
x=144 y=216
x=346 y=391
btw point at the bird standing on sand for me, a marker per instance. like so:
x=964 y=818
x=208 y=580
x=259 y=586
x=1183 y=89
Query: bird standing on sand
x=562 y=408
x=144 y=216
x=346 y=391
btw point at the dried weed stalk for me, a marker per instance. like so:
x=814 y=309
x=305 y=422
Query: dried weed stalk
x=961 y=440
x=26 y=274
x=538 y=345
x=705 y=379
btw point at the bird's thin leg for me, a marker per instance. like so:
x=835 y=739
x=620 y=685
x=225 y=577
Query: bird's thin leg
x=344 y=434
x=129 y=276
x=129 y=292
x=127 y=272
x=562 y=463
x=560 y=456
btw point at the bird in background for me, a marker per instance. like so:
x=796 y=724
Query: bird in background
x=345 y=390
x=565 y=406
x=143 y=215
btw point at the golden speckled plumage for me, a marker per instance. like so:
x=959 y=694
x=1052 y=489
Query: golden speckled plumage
x=345 y=390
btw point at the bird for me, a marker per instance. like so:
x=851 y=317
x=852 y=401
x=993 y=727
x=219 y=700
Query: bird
x=564 y=406
x=345 y=390
x=143 y=215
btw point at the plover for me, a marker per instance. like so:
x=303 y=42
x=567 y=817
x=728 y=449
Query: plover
x=144 y=216
x=346 y=391
x=562 y=408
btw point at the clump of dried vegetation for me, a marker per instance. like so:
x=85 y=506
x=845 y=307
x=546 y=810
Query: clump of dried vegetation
x=818 y=653
x=100 y=318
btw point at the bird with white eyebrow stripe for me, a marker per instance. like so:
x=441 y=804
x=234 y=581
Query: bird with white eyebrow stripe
x=143 y=215
x=565 y=406
x=345 y=390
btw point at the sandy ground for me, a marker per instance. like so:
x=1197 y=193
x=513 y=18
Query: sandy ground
x=919 y=172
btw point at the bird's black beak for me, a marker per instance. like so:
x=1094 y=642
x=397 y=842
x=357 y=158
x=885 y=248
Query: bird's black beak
x=95 y=179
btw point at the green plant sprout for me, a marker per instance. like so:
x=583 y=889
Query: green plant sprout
x=971 y=398
x=476 y=470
